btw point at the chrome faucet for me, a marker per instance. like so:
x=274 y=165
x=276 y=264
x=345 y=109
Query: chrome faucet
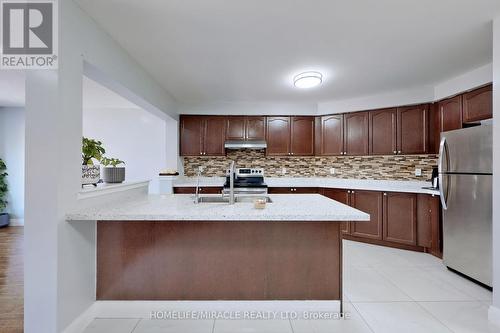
x=197 y=193
x=231 y=183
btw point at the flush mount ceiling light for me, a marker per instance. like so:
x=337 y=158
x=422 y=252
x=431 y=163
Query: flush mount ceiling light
x=307 y=80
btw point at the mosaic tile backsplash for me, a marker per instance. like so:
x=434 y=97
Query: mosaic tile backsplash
x=359 y=167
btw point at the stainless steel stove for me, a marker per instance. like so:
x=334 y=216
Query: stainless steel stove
x=246 y=181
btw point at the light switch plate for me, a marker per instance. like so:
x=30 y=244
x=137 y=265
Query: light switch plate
x=332 y=171
x=418 y=172
x=201 y=168
x=283 y=171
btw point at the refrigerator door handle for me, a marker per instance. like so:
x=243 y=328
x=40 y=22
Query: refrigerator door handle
x=443 y=158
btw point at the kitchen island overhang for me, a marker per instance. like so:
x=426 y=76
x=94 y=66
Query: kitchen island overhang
x=168 y=248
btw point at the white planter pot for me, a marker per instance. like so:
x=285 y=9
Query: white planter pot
x=90 y=174
x=113 y=174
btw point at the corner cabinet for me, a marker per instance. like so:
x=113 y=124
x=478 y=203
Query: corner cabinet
x=370 y=202
x=400 y=218
x=290 y=136
x=202 y=135
x=450 y=114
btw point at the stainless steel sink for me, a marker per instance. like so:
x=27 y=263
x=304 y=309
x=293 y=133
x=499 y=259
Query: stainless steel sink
x=219 y=199
x=252 y=199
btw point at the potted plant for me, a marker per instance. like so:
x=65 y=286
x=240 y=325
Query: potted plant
x=91 y=150
x=4 y=217
x=112 y=173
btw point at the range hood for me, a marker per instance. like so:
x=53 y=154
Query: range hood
x=244 y=144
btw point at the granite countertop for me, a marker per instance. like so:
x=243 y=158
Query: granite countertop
x=180 y=207
x=351 y=184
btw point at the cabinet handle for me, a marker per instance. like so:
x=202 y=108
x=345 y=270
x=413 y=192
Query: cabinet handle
x=352 y=192
x=395 y=152
x=399 y=152
x=201 y=153
x=291 y=153
x=385 y=194
x=348 y=192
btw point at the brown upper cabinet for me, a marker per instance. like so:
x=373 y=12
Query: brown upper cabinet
x=450 y=114
x=330 y=135
x=356 y=133
x=478 y=104
x=383 y=132
x=413 y=129
x=245 y=128
x=202 y=135
x=290 y=136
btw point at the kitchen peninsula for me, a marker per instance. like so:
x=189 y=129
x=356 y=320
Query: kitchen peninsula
x=166 y=247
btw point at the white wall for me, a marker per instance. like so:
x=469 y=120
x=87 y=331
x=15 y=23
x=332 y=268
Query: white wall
x=474 y=78
x=132 y=135
x=60 y=256
x=495 y=310
x=248 y=108
x=12 y=152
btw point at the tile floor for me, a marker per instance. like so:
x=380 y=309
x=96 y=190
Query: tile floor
x=386 y=290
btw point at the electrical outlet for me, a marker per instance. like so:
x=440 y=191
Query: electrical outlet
x=283 y=171
x=332 y=171
x=201 y=168
x=418 y=172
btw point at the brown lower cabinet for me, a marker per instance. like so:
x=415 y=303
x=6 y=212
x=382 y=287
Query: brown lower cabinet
x=369 y=202
x=192 y=190
x=400 y=218
x=342 y=196
x=296 y=190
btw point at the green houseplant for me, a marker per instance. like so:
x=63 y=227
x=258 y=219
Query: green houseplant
x=92 y=150
x=112 y=173
x=4 y=217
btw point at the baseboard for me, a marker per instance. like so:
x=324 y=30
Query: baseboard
x=494 y=315
x=16 y=222
x=83 y=320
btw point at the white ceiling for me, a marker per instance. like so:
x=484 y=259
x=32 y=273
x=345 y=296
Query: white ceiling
x=229 y=51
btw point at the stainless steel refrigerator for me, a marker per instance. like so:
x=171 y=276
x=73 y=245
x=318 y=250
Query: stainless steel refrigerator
x=465 y=182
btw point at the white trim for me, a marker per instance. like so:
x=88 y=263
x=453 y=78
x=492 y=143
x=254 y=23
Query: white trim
x=494 y=315
x=83 y=320
x=100 y=190
x=16 y=222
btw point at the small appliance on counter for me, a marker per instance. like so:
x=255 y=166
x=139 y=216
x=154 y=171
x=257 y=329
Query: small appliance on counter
x=434 y=180
x=247 y=181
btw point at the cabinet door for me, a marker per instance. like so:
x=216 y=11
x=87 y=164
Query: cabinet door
x=340 y=196
x=356 y=133
x=235 y=128
x=413 y=129
x=191 y=134
x=331 y=135
x=434 y=134
x=214 y=137
x=400 y=218
x=256 y=128
x=383 y=128
x=302 y=136
x=429 y=225
x=369 y=202
x=278 y=136
x=478 y=104
x=450 y=114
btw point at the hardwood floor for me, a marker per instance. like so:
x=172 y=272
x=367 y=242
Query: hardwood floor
x=11 y=279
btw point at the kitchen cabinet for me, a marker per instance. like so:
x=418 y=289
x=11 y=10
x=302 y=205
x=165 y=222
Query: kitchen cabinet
x=413 y=129
x=330 y=135
x=478 y=104
x=434 y=134
x=356 y=133
x=201 y=189
x=278 y=136
x=370 y=202
x=429 y=226
x=245 y=128
x=383 y=132
x=450 y=114
x=342 y=196
x=292 y=190
x=288 y=136
x=400 y=218
x=200 y=135
x=302 y=136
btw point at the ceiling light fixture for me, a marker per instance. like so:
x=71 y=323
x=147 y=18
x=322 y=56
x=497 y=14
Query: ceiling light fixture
x=307 y=80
